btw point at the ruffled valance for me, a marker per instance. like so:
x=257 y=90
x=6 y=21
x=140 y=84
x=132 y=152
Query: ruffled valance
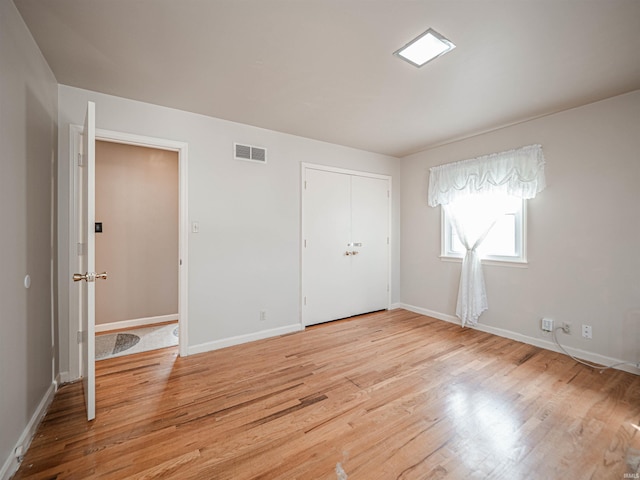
x=519 y=173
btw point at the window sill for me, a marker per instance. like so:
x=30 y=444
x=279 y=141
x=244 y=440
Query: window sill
x=492 y=263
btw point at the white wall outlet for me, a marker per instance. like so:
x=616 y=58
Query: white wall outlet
x=547 y=324
x=195 y=227
x=586 y=332
x=263 y=315
x=566 y=328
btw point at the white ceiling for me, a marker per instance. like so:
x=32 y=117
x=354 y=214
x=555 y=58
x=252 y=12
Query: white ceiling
x=324 y=69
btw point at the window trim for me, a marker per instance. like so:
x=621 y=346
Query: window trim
x=498 y=260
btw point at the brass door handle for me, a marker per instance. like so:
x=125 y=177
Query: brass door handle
x=348 y=253
x=89 y=277
x=354 y=253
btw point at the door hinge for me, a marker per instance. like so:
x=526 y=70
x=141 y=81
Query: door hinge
x=79 y=336
x=387 y=288
x=388 y=194
x=80 y=249
x=80 y=160
x=305 y=184
x=305 y=300
x=305 y=243
x=180 y=262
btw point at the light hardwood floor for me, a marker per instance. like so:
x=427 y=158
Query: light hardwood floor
x=390 y=395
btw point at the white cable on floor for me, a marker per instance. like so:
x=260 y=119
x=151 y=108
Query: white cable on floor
x=595 y=367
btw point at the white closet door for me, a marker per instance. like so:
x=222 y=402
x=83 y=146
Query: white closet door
x=369 y=234
x=327 y=225
x=345 y=259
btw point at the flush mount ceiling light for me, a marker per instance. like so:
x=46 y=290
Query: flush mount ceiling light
x=425 y=48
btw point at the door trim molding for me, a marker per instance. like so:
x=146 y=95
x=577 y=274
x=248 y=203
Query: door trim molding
x=182 y=148
x=304 y=166
x=315 y=166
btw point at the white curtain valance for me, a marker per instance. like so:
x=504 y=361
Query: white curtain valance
x=519 y=173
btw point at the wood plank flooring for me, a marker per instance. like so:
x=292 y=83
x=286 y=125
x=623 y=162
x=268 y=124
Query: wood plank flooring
x=390 y=395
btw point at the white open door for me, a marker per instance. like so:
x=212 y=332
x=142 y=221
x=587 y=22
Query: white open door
x=86 y=280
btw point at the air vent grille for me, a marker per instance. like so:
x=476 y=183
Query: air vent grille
x=250 y=153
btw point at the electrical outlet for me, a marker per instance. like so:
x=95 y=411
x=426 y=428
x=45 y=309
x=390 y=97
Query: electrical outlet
x=587 y=332
x=263 y=315
x=547 y=324
x=566 y=328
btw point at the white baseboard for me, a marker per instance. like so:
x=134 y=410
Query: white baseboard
x=136 y=322
x=536 y=342
x=250 y=337
x=430 y=313
x=11 y=464
x=395 y=306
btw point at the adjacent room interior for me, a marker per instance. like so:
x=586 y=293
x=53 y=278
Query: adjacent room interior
x=371 y=264
x=137 y=213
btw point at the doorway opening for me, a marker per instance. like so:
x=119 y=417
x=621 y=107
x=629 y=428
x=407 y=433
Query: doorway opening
x=158 y=148
x=136 y=242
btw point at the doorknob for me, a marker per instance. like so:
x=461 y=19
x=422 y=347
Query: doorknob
x=348 y=253
x=89 y=277
x=354 y=253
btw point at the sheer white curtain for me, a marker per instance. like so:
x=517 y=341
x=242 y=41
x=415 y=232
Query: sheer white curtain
x=475 y=194
x=473 y=217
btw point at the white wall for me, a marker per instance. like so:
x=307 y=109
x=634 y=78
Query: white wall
x=246 y=257
x=28 y=113
x=583 y=235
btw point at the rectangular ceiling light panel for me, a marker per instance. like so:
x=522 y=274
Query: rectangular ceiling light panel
x=425 y=48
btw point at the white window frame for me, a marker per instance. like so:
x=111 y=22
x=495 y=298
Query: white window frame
x=519 y=260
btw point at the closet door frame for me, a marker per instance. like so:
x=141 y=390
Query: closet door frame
x=304 y=166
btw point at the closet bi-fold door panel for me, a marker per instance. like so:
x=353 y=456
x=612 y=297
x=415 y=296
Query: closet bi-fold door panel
x=370 y=238
x=345 y=245
x=327 y=223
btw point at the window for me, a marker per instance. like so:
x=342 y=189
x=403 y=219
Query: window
x=505 y=242
x=476 y=194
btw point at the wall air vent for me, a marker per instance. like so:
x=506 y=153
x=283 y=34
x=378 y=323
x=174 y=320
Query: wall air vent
x=250 y=153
